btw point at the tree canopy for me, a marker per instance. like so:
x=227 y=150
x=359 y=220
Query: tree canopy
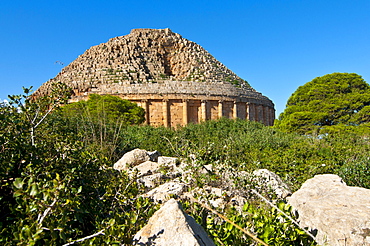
x=108 y=108
x=337 y=99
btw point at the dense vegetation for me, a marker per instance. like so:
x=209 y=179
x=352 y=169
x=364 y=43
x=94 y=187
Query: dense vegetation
x=105 y=108
x=57 y=185
x=331 y=103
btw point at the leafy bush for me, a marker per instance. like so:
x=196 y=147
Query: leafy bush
x=271 y=225
x=356 y=172
x=106 y=108
x=55 y=188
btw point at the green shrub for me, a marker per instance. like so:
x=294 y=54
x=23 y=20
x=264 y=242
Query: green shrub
x=356 y=172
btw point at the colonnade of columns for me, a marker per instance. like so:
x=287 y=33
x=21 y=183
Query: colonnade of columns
x=249 y=111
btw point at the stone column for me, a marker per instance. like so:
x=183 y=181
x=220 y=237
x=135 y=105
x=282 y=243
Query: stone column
x=247 y=110
x=185 y=118
x=165 y=113
x=268 y=116
x=220 y=109
x=272 y=116
x=145 y=106
x=203 y=108
x=252 y=112
x=257 y=113
x=235 y=110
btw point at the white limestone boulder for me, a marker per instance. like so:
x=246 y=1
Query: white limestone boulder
x=163 y=192
x=339 y=214
x=270 y=181
x=131 y=158
x=151 y=181
x=145 y=168
x=168 y=161
x=170 y=226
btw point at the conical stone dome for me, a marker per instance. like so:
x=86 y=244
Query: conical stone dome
x=175 y=80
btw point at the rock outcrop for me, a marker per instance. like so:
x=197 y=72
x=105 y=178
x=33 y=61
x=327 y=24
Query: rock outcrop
x=337 y=213
x=169 y=177
x=171 y=226
x=133 y=158
x=175 y=80
x=163 y=192
x=271 y=182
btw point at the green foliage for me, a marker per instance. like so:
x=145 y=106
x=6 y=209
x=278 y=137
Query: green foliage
x=98 y=122
x=55 y=188
x=338 y=98
x=106 y=108
x=246 y=146
x=267 y=224
x=356 y=172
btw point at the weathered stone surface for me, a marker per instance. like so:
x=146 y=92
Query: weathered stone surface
x=132 y=158
x=171 y=226
x=167 y=161
x=145 y=56
x=340 y=214
x=145 y=168
x=162 y=193
x=214 y=196
x=268 y=180
x=151 y=181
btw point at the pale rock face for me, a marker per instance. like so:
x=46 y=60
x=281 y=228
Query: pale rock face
x=340 y=214
x=162 y=193
x=170 y=226
x=145 y=168
x=167 y=161
x=151 y=181
x=271 y=181
x=132 y=158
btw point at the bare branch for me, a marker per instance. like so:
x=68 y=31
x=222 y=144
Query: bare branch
x=85 y=238
x=46 y=212
x=43 y=117
x=36 y=115
x=226 y=219
x=289 y=217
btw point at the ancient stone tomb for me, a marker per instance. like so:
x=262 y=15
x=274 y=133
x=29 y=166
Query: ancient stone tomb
x=175 y=80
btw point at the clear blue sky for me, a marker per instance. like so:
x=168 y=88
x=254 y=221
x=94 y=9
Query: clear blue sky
x=276 y=45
